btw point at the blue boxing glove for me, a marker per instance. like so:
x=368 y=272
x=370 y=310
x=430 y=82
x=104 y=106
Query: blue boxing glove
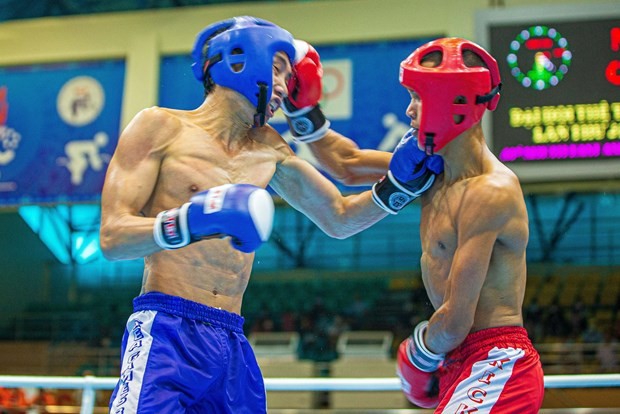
x=410 y=174
x=241 y=211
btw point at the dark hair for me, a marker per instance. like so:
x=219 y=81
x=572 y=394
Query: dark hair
x=208 y=81
x=470 y=58
x=473 y=60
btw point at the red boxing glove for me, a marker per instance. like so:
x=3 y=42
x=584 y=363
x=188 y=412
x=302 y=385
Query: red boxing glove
x=305 y=86
x=416 y=367
x=301 y=106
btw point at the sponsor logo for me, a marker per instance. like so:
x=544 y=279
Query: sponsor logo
x=215 y=199
x=398 y=200
x=303 y=126
x=170 y=227
x=80 y=100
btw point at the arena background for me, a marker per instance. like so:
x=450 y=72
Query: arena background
x=63 y=307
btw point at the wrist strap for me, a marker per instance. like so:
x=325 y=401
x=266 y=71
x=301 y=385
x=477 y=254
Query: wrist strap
x=391 y=196
x=306 y=124
x=423 y=358
x=170 y=230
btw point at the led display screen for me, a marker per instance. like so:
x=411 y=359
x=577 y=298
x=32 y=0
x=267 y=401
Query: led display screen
x=559 y=113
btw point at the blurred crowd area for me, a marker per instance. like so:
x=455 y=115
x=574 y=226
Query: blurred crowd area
x=578 y=308
x=48 y=401
x=549 y=316
x=571 y=316
x=38 y=400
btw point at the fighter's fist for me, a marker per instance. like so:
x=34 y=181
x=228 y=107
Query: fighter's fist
x=411 y=173
x=305 y=86
x=416 y=366
x=242 y=211
x=301 y=107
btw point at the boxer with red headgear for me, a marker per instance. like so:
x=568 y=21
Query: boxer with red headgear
x=460 y=94
x=473 y=354
x=185 y=189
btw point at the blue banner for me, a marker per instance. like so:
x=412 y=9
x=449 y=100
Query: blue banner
x=59 y=125
x=362 y=95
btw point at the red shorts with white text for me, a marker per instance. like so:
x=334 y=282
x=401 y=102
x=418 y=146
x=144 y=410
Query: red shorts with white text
x=495 y=370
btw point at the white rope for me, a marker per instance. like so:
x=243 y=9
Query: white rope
x=299 y=384
x=393 y=384
x=90 y=383
x=97 y=383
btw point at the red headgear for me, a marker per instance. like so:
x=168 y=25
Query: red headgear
x=454 y=95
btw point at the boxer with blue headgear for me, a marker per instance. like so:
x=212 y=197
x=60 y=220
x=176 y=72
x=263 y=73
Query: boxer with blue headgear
x=186 y=190
x=238 y=54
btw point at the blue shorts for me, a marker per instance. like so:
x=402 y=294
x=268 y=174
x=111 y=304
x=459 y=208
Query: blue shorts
x=180 y=356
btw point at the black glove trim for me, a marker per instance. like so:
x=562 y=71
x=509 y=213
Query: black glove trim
x=389 y=196
x=392 y=195
x=307 y=124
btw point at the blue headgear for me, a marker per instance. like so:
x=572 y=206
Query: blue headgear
x=255 y=41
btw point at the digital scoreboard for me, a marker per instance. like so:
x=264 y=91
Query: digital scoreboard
x=559 y=112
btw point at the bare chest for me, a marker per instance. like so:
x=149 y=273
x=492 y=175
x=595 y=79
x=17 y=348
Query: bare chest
x=438 y=226
x=197 y=165
x=438 y=236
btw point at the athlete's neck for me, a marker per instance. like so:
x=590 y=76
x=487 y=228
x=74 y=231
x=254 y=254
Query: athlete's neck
x=226 y=114
x=466 y=156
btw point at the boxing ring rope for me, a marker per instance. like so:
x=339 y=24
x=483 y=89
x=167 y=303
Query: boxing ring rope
x=89 y=384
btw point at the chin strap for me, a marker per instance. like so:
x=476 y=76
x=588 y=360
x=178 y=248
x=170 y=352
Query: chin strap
x=486 y=98
x=260 y=115
x=429 y=145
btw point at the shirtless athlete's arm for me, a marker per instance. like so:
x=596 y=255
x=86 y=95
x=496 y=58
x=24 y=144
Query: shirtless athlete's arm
x=342 y=159
x=130 y=181
x=308 y=191
x=477 y=234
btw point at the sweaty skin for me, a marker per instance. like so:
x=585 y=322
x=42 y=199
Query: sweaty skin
x=165 y=156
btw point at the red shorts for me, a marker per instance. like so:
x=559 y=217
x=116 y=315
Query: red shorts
x=495 y=370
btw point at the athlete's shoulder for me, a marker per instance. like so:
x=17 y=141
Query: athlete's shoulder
x=271 y=138
x=496 y=184
x=493 y=199
x=157 y=116
x=154 y=123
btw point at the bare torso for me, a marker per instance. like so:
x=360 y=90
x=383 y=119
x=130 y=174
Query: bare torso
x=503 y=283
x=209 y=272
x=166 y=156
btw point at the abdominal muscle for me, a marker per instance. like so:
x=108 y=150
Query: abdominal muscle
x=495 y=306
x=209 y=272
